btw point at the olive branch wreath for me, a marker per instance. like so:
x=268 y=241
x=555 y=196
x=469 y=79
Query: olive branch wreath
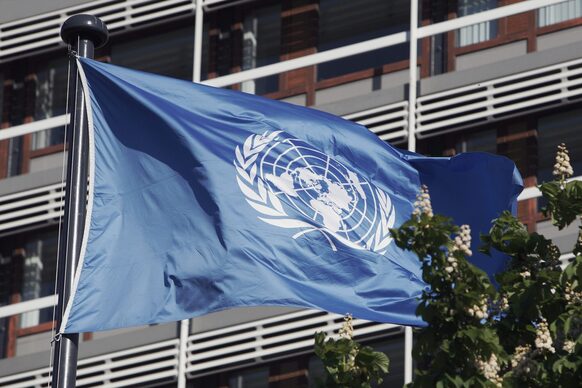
x=261 y=198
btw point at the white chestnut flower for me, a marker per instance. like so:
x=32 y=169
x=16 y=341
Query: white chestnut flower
x=569 y=346
x=562 y=167
x=519 y=354
x=479 y=311
x=422 y=204
x=490 y=369
x=571 y=296
x=543 y=338
x=347 y=329
x=462 y=241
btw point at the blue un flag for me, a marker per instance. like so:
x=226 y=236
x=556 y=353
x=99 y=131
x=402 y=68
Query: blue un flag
x=204 y=199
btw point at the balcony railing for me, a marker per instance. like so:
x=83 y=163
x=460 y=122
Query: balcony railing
x=43 y=31
x=500 y=98
x=204 y=353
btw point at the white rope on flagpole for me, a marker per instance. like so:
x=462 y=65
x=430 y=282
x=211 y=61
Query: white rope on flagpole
x=90 y=188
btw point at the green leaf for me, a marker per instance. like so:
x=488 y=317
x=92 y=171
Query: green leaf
x=563 y=363
x=564 y=203
x=375 y=360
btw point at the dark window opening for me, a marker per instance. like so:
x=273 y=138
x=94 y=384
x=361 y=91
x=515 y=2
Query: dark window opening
x=167 y=53
x=50 y=100
x=261 y=46
x=346 y=22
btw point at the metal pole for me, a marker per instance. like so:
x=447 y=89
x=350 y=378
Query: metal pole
x=411 y=147
x=83 y=33
x=198 y=32
x=407 y=354
x=183 y=352
x=196 y=77
x=412 y=75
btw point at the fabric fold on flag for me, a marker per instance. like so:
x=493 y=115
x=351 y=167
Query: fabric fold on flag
x=204 y=199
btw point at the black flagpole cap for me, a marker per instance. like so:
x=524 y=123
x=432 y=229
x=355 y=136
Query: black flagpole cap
x=87 y=27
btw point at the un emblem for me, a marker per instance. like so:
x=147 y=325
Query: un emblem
x=292 y=185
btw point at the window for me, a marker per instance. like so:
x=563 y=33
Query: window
x=517 y=143
x=166 y=53
x=438 y=12
x=552 y=130
x=261 y=46
x=50 y=101
x=1 y=94
x=480 y=32
x=243 y=40
x=27 y=272
x=38 y=275
x=483 y=141
x=558 y=13
x=16 y=96
x=254 y=378
x=14 y=156
x=346 y=22
x=6 y=278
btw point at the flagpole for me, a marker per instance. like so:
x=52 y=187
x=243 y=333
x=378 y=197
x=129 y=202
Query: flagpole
x=412 y=85
x=83 y=33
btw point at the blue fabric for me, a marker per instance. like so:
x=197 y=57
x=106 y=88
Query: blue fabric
x=206 y=199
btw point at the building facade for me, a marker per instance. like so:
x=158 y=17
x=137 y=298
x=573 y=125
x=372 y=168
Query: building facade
x=439 y=77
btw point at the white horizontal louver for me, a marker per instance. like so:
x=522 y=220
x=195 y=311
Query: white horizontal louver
x=389 y=122
x=208 y=352
x=268 y=339
x=500 y=98
x=141 y=366
x=31 y=207
x=42 y=31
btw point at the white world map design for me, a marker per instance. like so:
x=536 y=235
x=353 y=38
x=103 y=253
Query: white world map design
x=292 y=185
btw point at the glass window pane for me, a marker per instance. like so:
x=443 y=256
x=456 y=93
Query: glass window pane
x=1 y=93
x=50 y=101
x=51 y=89
x=552 y=130
x=38 y=277
x=346 y=22
x=167 y=53
x=6 y=280
x=16 y=116
x=255 y=378
x=261 y=46
x=14 y=156
x=243 y=40
x=482 y=141
x=480 y=32
x=205 y=51
x=558 y=13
